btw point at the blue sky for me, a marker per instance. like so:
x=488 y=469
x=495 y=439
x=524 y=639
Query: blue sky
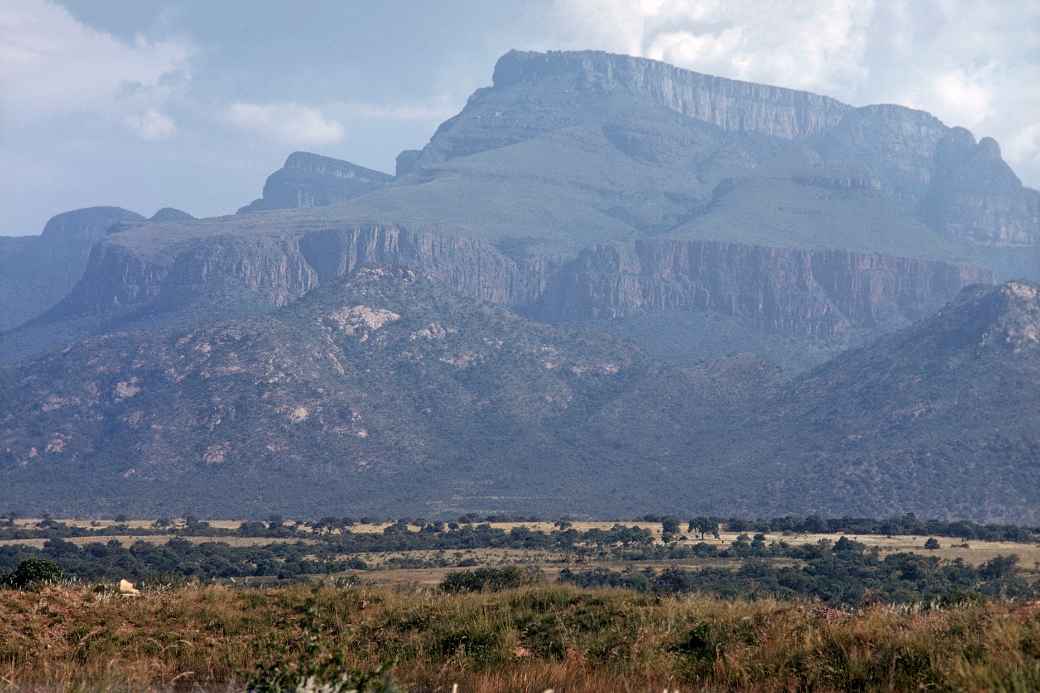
x=191 y=103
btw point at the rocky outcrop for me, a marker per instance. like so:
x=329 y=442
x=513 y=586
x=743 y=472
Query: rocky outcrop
x=311 y=180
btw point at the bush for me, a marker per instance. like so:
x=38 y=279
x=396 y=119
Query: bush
x=932 y=544
x=32 y=573
x=490 y=579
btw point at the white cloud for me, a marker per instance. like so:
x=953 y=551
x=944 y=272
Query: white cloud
x=1024 y=146
x=53 y=65
x=970 y=63
x=289 y=123
x=965 y=100
x=811 y=45
x=151 y=125
x=399 y=112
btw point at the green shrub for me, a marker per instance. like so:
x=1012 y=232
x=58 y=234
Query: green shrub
x=32 y=573
x=490 y=579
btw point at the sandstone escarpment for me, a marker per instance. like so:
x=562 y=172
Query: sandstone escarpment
x=807 y=293
x=814 y=293
x=226 y=273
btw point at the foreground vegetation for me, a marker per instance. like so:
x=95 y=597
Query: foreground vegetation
x=522 y=639
x=498 y=603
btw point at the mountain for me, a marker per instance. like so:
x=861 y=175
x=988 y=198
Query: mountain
x=577 y=294
x=574 y=177
x=941 y=418
x=381 y=390
x=311 y=180
x=387 y=391
x=37 y=271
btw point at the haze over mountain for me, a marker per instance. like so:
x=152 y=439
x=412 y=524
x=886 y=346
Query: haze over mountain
x=582 y=198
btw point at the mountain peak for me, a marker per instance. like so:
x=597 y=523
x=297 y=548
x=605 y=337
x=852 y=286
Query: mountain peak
x=317 y=163
x=728 y=103
x=171 y=214
x=985 y=319
x=88 y=222
x=312 y=180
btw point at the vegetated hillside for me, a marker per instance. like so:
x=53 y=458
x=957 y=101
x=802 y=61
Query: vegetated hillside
x=942 y=418
x=386 y=391
x=37 y=271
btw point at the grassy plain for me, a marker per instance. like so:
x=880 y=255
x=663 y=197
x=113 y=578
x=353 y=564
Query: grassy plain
x=214 y=638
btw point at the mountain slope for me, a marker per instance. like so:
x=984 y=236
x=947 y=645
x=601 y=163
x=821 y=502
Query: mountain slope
x=386 y=391
x=942 y=418
x=382 y=391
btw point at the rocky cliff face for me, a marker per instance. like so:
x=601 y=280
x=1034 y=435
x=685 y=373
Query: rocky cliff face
x=823 y=293
x=311 y=180
x=819 y=294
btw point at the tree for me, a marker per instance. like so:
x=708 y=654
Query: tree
x=704 y=525
x=669 y=525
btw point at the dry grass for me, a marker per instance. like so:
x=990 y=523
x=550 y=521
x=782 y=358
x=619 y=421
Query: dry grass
x=212 y=638
x=127 y=540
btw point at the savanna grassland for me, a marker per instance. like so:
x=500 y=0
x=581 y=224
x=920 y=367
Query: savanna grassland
x=489 y=604
x=524 y=639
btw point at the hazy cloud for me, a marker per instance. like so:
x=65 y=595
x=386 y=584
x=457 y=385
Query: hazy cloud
x=400 y=112
x=151 y=125
x=53 y=65
x=289 y=123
